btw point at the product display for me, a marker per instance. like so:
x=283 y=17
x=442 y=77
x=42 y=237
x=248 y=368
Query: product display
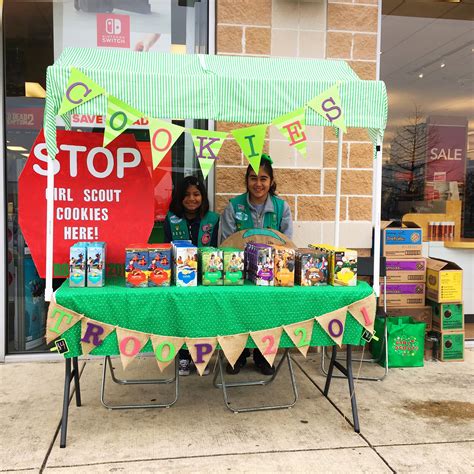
x=136 y=266
x=185 y=263
x=77 y=265
x=211 y=262
x=233 y=266
x=159 y=267
x=259 y=264
x=96 y=264
x=311 y=267
x=342 y=264
x=284 y=259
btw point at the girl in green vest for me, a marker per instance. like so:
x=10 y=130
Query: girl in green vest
x=189 y=218
x=259 y=208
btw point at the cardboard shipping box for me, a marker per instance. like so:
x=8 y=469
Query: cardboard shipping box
x=403 y=241
x=404 y=294
x=447 y=316
x=406 y=270
x=443 y=281
x=422 y=314
x=451 y=346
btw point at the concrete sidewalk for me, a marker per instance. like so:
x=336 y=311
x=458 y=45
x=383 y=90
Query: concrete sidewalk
x=417 y=420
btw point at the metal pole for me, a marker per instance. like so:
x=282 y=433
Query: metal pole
x=338 y=188
x=49 y=230
x=377 y=214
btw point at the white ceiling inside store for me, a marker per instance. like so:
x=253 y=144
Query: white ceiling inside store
x=414 y=46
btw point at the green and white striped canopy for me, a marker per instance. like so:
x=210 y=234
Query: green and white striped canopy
x=226 y=88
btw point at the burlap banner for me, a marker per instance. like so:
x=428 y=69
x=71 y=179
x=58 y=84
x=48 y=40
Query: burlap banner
x=166 y=348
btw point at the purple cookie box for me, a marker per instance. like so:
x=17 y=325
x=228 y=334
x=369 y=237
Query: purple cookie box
x=405 y=288
x=405 y=265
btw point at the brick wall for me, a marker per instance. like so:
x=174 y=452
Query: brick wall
x=333 y=29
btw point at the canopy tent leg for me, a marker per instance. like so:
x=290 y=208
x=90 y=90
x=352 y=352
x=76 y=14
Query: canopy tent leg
x=49 y=230
x=376 y=208
x=338 y=188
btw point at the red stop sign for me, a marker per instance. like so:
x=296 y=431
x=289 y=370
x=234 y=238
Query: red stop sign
x=101 y=194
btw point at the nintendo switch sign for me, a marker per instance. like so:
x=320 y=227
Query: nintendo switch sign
x=113 y=30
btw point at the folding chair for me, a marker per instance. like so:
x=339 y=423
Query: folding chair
x=108 y=366
x=365 y=267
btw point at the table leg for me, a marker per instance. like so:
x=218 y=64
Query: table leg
x=350 y=380
x=67 y=389
x=330 y=370
x=77 y=387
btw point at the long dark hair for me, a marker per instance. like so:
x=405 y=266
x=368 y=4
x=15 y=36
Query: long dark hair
x=179 y=191
x=266 y=164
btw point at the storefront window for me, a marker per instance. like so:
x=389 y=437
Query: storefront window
x=35 y=34
x=427 y=64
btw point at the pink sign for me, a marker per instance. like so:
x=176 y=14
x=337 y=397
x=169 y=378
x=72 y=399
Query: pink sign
x=446 y=150
x=113 y=30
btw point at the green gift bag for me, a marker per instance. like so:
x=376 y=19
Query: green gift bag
x=405 y=341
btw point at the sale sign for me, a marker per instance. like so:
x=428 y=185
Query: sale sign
x=100 y=194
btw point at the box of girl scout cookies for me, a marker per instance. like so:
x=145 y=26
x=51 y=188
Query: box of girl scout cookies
x=136 y=266
x=212 y=266
x=408 y=270
x=284 y=261
x=96 y=264
x=451 y=346
x=77 y=265
x=443 y=281
x=447 y=316
x=401 y=240
x=159 y=267
x=342 y=265
x=311 y=268
x=233 y=266
x=185 y=263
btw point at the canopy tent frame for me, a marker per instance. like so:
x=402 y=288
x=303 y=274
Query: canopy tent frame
x=222 y=88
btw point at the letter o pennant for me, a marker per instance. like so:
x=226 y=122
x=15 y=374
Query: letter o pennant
x=166 y=349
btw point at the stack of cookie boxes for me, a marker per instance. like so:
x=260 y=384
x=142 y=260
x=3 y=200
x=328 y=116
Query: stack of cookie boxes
x=444 y=295
x=406 y=273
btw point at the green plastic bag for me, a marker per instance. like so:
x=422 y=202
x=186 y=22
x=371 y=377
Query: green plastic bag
x=405 y=341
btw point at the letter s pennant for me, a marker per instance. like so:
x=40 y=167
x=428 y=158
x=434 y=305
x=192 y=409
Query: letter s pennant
x=328 y=105
x=80 y=89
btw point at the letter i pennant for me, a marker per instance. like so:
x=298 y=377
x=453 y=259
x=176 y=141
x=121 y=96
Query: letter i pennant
x=292 y=126
x=328 y=105
x=119 y=117
x=80 y=89
x=251 y=140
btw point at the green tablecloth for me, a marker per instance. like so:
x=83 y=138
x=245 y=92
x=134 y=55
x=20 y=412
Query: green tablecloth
x=205 y=311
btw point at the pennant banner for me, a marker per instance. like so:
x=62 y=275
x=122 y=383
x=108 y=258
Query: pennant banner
x=163 y=135
x=80 y=89
x=166 y=349
x=251 y=141
x=130 y=344
x=201 y=350
x=119 y=117
x=59 y=320
x=333 y=323
x=328 y=105
x=93 y=334
x=268 y=341
x=233 y=346
x=364 y=311
x=300 y=334
x=292 y=126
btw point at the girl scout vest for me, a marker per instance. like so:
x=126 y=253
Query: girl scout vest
x=180 y=231
x=243 y=215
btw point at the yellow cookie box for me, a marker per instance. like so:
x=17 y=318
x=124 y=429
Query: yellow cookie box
x=342 y=264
